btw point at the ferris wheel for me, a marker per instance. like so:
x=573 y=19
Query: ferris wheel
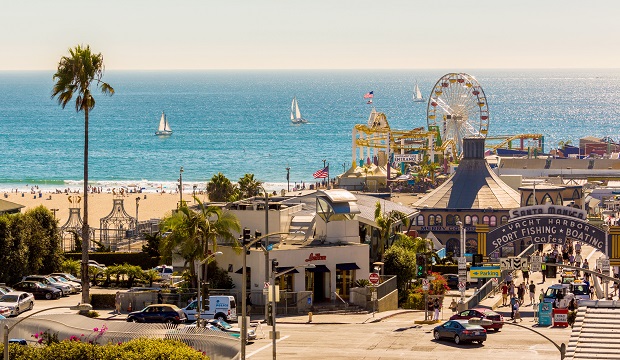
x=457 y=108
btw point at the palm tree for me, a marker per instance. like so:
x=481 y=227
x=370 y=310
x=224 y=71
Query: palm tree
x=190 y=232
x=248 y=186
x=220 y=188
x=74 y=76
x=386 y=223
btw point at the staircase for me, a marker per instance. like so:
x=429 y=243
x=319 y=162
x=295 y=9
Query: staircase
x=596 y=332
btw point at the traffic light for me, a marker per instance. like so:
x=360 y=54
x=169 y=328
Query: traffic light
x=420 y=263
x=274 y=265
x=269 y=315
x=257 y=235
x=247 y=236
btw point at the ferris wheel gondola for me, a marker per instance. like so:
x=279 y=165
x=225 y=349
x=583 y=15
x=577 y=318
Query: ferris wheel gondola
x=458 y=108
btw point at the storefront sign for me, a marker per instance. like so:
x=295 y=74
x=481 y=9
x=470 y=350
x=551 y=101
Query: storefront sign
x=314 y=257
x=446 y=228
x=398 y=158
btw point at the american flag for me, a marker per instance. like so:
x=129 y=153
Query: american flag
x=369 y=95
x=321 y=174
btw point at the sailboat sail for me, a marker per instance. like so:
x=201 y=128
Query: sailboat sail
x=164 y=126
x=296 y=113
x=417 y=94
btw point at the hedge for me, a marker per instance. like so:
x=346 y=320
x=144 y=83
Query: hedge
x=103 y=301
x=138 y=349
x=140 y=259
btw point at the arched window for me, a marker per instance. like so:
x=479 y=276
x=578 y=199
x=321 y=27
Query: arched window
x=504 y=219
x=530 y=200
x=431 y=220
x=450 y=220
x=485 y=219
x=471 y=246
x=453 y=246
x=420 y=220
x=493 y=221
x=438 y=220
x=467 y=220
x=576 y=194
x=456 y=219
x=474 y=219
x=548 y=199
x=559 y=199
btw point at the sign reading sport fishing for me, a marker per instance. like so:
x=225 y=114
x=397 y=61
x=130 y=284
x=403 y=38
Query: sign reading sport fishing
x=546 y=224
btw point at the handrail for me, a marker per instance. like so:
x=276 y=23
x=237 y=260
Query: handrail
x=346 y=304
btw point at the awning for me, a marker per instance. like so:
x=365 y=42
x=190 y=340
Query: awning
x=347 y=266
x=280 y=269
x=318 y=269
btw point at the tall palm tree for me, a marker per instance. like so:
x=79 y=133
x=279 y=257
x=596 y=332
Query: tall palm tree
x=248 y=186
x=74 y=76
x=220 y=188
x=190 y=232
x=386 y=223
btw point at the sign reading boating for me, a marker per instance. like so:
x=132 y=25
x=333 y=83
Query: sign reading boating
x=546 y=224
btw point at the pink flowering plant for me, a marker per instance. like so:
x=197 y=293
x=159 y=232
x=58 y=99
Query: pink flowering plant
x=47 y=338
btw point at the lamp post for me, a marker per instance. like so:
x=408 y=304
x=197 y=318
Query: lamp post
x=200 y=294
x=54 y=212
x=561 y=348
x=246 y=247
x=181 y=186
x=195 y=193
x=275 y=275
x=462 y=252
x=606 y=257
x=7 y=329
x=266 y=237
x=288 y=177
x=136 y=229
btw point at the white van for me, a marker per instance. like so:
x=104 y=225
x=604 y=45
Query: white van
x=218 y=307
x=164 y=271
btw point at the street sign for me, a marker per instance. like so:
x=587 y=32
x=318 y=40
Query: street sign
x=605 y=266
x=495 y=281
x=536 y=264
x=425 y=285
x=462 y=261
x=461 y=286
x=462 y=273
x=266 y=291
x=373 y=278
x=512 y=263
x=430 y=278
x=265 y=285
x=485 y=272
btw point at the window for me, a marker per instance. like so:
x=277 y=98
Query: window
x=420 y=220
x=467 y=220
x=485 y=219
x=286 y=282
x=504 y=219
x=456 y=219
x=471 y=246
x=453 y=246
x=530 y=200
x=559 y=199
x=450 y=220
x=575 y=195
x=474 y=219
x=438 y=220
x=431 y=220
x=547 y=199
x=493 y=221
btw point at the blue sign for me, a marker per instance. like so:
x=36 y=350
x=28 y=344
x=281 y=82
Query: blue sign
x=269 y=247
x=545 y=311
x=309 y=300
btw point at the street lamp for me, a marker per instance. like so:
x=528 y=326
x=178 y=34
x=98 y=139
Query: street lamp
x=606 y=257
x=200 y=294
x=54 y=211
x=288 y=177
x=274 y=275
x=136 y=229
x=462 y=238
x=7 y=329
x=485 y=322
x=267 y=241
x=246 y=248
x=181 y=187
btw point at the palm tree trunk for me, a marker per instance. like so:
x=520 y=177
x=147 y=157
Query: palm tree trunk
x=85 y=229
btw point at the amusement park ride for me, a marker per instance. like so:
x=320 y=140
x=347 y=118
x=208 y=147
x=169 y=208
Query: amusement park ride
x=457 y=108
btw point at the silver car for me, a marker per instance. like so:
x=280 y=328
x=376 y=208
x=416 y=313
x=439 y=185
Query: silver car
x=65 y=288
x=76 y=285
x=17 y=302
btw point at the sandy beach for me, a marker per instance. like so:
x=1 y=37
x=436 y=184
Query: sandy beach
x=151 y=205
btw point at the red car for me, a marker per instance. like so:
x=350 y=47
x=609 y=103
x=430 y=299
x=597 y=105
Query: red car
x=481 y=313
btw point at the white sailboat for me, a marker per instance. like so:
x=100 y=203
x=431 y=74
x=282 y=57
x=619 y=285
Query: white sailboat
x=417 y=95
x=296 y=114
x=164 y=127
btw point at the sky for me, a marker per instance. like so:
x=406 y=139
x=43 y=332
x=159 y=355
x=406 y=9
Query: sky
x=318 y=34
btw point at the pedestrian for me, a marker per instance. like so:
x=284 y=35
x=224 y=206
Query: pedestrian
x=160 y=297
x=526 y=274
x=513 y=303
x=541 y=297
x=543 y=271
x=586 y=266
x=117 y=303
x=436 y=307
x=248 y=302
x=532 y=290
x=572 y=305
x=516 y=313
x=578 y=260
x=521 y=293
x=504 y=294
x=453 y=306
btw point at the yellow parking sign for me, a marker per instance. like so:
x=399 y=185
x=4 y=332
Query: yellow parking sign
x=485 y=272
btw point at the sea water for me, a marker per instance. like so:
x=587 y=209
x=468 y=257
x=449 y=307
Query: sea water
x=238 y=122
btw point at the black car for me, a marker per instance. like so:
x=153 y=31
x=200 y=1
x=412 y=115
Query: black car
x=159 y=313
x=460 y=331
x=39 y=290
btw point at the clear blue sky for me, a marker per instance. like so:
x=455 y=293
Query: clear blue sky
x=319 y=34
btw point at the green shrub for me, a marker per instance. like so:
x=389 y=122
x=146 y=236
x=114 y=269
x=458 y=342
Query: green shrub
x=415 y=300
x=137 y=349
x=117 y=258
x=102 y=301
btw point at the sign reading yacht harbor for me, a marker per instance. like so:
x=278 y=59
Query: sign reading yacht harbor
x=546 y=224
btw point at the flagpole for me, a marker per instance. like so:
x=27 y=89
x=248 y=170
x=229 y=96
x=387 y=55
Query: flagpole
x=327 y=176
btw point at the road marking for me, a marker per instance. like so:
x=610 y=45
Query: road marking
x=266 y=346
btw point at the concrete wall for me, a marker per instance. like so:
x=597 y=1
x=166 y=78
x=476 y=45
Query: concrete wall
x=360 y=297
x=389 y=302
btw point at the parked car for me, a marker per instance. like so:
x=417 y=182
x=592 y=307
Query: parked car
x=158 y=313
x=17 y=302
x=96 y=264
x=226 y=327
x=76 y=285
x=65 y=289
x=460 y=331
x=218 y=307
x=3 y=291
x=5 y=312
x=6 y=289
x=68 y=277
x=164 y=271
x=39 y=290
x=480 y=313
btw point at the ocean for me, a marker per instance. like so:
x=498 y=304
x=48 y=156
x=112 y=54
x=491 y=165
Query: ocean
x=237 y=122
